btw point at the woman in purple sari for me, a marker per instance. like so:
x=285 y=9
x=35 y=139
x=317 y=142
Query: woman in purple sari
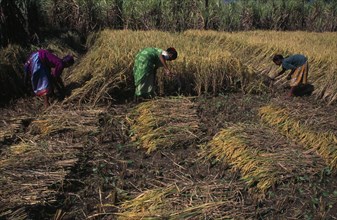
x=38 y=68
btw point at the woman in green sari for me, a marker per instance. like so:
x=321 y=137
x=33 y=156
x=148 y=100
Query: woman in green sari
x=147 y=61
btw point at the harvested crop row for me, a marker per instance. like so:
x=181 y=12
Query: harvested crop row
x=263 y=157
x=32 y=173
x=293 y=122
x=165 y=123
x=79 y=122
x=198 y=201
x=33 y=170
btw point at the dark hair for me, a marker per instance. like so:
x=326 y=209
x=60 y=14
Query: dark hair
x=277 y=57
x=172 y=51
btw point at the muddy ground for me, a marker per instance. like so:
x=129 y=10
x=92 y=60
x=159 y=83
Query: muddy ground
x=111 y=169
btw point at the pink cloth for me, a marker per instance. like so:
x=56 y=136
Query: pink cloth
x=49 y=60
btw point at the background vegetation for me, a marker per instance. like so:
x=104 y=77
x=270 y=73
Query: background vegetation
x=30 y=20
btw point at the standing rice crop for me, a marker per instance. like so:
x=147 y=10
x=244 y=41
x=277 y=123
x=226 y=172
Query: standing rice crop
x=105 y=72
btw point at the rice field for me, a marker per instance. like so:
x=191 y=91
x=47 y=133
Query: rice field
x=218 y=142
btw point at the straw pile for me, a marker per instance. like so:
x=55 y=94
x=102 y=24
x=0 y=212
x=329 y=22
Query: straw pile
x=34 y=168
x=313 y=127
x=33 y=173
x=165 y=123
x=79 y=122
x=11 y=75
x=9 y=128
x=263 y=157
x=210 y=200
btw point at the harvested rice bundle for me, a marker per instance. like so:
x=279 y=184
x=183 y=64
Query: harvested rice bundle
x=30 y=170
x=8 y=128
x=263 y=157
x=300 y=127
x=205 y=199
x=80 y=122
x=33 y=170
x=165 y=123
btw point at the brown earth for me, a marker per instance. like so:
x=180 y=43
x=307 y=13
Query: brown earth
x=103 y=168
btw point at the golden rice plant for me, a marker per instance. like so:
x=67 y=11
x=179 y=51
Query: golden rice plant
x=208 y=62
x=106 y=70
x=256 y=48
x=254 y=60
x=165 y=123
x=318 y=47
x=263 y=157
x=107 y=67
x=324 y=141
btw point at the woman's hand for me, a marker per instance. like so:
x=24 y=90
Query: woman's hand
x=168 y=72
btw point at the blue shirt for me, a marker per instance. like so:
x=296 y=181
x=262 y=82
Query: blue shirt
x=293 y=62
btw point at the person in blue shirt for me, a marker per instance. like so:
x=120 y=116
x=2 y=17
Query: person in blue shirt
x=298 y=64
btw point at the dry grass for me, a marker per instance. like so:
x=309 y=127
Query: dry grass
x=32 y=173
x=197 y=201
x=312 y=126
x=79 y=122
x=34 y=167
x=263 y=157
x=165 y=123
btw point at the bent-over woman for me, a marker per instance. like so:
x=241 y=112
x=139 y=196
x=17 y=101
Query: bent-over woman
x=298 y=64
x=38 y=69
x=147 y=61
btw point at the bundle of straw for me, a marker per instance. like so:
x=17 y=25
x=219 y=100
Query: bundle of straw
x=80 y=122
x=202 y=200
x=263 y=157
x=34 y=169
x=299 y=122
x=165 y=123
x=30 y=170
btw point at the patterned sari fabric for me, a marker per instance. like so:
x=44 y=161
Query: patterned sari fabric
x=40 y=75
x=300 y=76
x=146 y=64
